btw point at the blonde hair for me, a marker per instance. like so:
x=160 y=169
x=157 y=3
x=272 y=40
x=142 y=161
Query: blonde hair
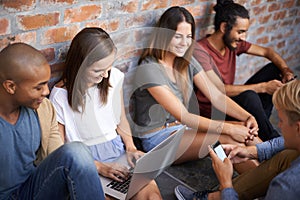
x=287 y=98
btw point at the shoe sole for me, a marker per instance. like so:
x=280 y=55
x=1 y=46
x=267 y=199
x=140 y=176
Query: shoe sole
x=178 y=194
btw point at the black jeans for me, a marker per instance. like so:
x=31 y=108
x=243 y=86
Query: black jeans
x=259 y=105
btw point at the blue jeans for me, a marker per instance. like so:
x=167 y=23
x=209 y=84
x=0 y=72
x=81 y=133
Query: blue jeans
x=149 y=141
x=67 y=173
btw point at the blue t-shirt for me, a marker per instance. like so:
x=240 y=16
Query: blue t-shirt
x=18 y=146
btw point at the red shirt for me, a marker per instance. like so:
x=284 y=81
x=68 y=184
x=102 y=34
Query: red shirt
x=223 y=65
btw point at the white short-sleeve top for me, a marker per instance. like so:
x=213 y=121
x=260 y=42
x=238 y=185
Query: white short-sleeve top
x=98 y=122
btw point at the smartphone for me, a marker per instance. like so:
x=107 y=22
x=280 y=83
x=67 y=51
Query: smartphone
x=218 y=149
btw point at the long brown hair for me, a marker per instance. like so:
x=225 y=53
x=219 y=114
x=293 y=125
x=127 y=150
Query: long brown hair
x=88 y=46
x=160 y=40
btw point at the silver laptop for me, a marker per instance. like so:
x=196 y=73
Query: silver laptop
x=147 y=168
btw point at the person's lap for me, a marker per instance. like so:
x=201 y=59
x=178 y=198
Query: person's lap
x=64 y=173
x=255 y=182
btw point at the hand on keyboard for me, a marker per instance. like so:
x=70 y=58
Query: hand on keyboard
x=114 y=171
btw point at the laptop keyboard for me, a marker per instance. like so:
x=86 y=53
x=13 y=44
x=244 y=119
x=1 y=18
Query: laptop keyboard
x=121 y=186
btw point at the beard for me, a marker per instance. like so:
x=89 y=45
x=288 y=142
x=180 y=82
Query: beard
x=228 y=41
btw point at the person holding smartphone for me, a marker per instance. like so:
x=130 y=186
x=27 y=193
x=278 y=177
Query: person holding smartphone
x=278 y=176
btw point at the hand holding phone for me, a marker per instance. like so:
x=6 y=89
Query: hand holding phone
x=218 y=149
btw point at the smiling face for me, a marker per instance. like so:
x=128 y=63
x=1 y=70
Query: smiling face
x=182 y=39
x=237 y=33
x=31 y=91
x=99 y=70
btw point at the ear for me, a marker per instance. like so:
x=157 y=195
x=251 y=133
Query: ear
x=9 y=86
x=223 y=27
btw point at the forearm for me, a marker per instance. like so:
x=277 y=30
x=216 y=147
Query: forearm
x=275 y=58
x=229 y=194
x=266 y=150
x=203 y=124
x=236 y=111
x=234 y=90
x=126 y=138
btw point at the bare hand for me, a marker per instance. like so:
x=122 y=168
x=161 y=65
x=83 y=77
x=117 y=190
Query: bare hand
x=240 y=133
x=251 y=123
x=287 y=75
x=114 y=171
x=133 y=156
x=272 y=86
x=240 y=154
x=223 y=170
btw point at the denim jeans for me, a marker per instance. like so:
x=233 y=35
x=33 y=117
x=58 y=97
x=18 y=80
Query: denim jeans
x=67 y=173
x=151 y=140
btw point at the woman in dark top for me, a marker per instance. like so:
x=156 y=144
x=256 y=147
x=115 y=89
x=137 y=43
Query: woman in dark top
x=162 y=90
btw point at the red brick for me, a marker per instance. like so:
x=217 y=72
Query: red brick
x=154 y=4
x=255 y=2
x=280 y=44
x=197 y=11
x=131 y=6
x=260 y=30
x=263 y=40
x=288 y=4
x=181 y=2
x=138 y=20
x=276 y=37
x=107 y=25
x=18 y=5
x=29 y=22
x=289 y=23
x=4 y=42
x=279 y=15
x=264 y=19
x=274 y=6
x=29 y=38
x=82 y=13
x=258 y=10
x=49 y=53
x=205 y=22
x=58 y=35
x=4 y=26
x=57 y=1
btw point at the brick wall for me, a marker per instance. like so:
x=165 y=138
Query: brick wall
x=49 y=25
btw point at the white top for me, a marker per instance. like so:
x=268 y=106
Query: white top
x=98 y=122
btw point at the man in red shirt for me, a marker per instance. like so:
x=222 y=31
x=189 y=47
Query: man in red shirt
x=217 y=55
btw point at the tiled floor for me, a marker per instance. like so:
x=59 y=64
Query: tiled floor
x=198 y=175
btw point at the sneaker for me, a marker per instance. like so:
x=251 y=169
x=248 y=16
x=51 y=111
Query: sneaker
x=184 y=193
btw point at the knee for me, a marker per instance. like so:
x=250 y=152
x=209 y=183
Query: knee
x=285 y=158
x=78 y=153
x=251 y=98
x=150 y=192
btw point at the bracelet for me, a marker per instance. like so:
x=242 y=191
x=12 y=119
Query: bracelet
x=219 y=128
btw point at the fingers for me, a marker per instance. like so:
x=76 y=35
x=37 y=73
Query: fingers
x=212 y=154
x=132 y=157
x=228 y=147
x=120 y=175
x=116 y=171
